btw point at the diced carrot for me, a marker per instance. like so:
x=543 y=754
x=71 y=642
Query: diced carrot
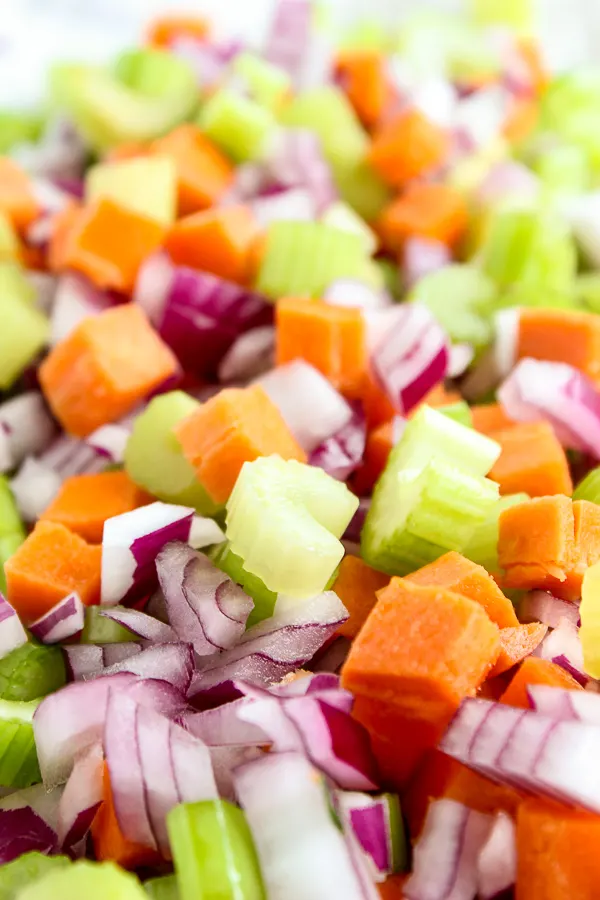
x=557 y=852
x=453 y=572
x=534 y=670
x=494 y=687
x=363 y=75
x=131 y=150
x=333 y=339
x=168 y=28
x=235 y=426
x=110 y=845
x=108 y=243
x=85 y=502
x=437 y=396
x=17 y=200
x=408 y=146
x=490 y=417
x=204 y=174
x=51 y=563
x=380 y=442
x=355 y=585
x=32 y=257
x=530 y=52
x=477 y=792
x=521 y=120
x=378 y=408
x=427 y=210
x=215 y=240
x=561 y=335
x=516 y=644
x=106 y=366
x=532 y=461
x=393 y=887
x=66 y=222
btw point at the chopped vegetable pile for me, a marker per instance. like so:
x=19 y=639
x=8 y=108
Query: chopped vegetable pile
x=300 y=455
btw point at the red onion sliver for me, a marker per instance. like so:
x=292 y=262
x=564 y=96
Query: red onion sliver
x=497 y=862
x=540 y=606
x=297 y=161
x=222 y=726
x=22 y=830
x=204 y=533
x=508 y=179
x=461 y=357
x=153 y=285
x=141 y=624
x=28 y=426
x=366 y=818
x=83 y=661
x=289 y=38
x=563 y=646
x=69 y=456
x=110 y=441
x=564 y=705
x=348 y=292
x=34 y=487
x=342 y=453
x=81 y=797
x=117 y=653
x=62 y=622
x=294 y=204
x=12 y=633
x=173 y=663
x=252 y=354
x=76 y=299
x=421 y=257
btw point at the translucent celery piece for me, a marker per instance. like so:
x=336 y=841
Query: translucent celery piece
x=462 y=298
x=267 y=84
x=145 y=94
x=435 y=42
x=587 y=290
x=31 y=671
x=233 y=565
x=483 y=546
x=213 y=852
x=301 y=259
x=341 y=215
x=569 y=108
x=284 y=519
x=589 y=487
x=85 y=880
x=360 y=186
x=164 y=888
x=24 y=329
x=26 y=869
x=367 y=35
x=460 y=412
x=10 y=250
x=10 y=520
x=17 y=128
x=97 y=629
x=589 y=610
x=390 y=277
x=147 y=185
x=517 y=14
x=154 y=459
x=8 y=545
x=18 y=758
x=241 y=127
x=400 y=851
x=564 y=168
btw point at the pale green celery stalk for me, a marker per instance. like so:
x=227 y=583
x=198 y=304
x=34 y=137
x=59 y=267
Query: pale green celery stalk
x=241 y=127
x=589 y=487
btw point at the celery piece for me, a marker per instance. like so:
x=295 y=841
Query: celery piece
x=517 y=14
x=570 y=107
x=97 y=629
x=213 y=852
x=26 y=869
x=145 y=94
x=284 y=519
x=8 y=545
x=10 y=520
x=147 y=185
x=31 y=671
x=10 y=250
x=435 y=42
x=18 y=758
x=241 y=127
x=459 y=411
x=163 y=888
x=154 y=458
x=366 y=35
x=587 y=290
x=233 y=565
x=361 y=187
x=462 y=299
x=564 y=168
x=483 y=546
x=83 y=879
x=589 y=487
x=24 y=328
x=341 y=215
x=398 y=833
x=18 y=128
x=302 y=259
x=267 y=84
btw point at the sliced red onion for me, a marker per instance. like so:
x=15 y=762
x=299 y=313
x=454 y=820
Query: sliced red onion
x=61 y=152
x=559 y=393
x=461 y=357
x=62 y=622
x=497 y=862
x=367 y=819
x=297 y=160
x=83 y=661
x=204 y=604
x=310 y=405
x=563 y=647
x=528 y=751
x=508 y=179
x=209 y=61
x=564 y=705
x=110 y=441
x=421 y=257
x=12 y=633
x=355 y=526
x=45 y=288
x=294 y=204
x=342 y=453
x=497 y=362
x=223 y=727
x=289 y=38
x=44 y=803
x=348 y=292
x=153 y=285
x=21 y=831
x=252 y=354
x=482 y=115
x=301 y=851
x=34 y=487
x=540 y=606
x=141 y=624
x=413 y=356
x=69 y=456
x=130 y=544
x=27 y=425
x=76 y=299
x=225 y=760
x=173 y=663
x=81 y=797
x=445 y=855
x=333 y=656
x=205 y=532
x=154 y=765
x=119 y=652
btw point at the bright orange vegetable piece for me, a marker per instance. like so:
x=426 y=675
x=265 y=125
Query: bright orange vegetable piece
x=521 y=120
x=104 y=368
x=108 y=243
x=216 y=240
x=235 y=426
x=453 y=572
x=17 y=200
x=534 y=670
x=377 y=406
x=407 y=147
x=490 y=417
x=51 y=563
x=392 y=887
x=364 y=78
x=168 y=28
x=530 y=53
x=532 y=461
x=204 y=174
x=380 y=442
x=356 y=585
x=85 y=502
x=130 y=150
x=516 y=644
x=66 y=222
x=435 y=211
x=333 y=339
x=561 y=335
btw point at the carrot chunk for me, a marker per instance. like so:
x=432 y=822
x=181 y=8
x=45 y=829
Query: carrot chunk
x=455 y=573
x=516 y=644
x=168 y=28
x=380 y=442
x=107 y=365
x=85 y=502
x=363 y=74
x=490 y=417
x=434 y=211
x=233 y=427
x=17 y=200
x=356 y=585
x=535 y=670
x=408 y=146
x=51 y=563
x=561 y=335
x=215 y=240
x=204 y=174
x=532 y=461
x=330 y=338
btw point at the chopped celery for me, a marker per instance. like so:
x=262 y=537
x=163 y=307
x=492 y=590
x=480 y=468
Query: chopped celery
x=241 y=127
x=267 y=84
x=459 y=411
x=340 y=215
x=436 y=42
x=587 y=290
x=97 y=629
x=570 y=108
x=517 y=14
x=368 y=35
x=564 y=168
x=18 y=758
x=589 y=488
x=8 y=545
x=462 y=299
x=147 y=185
x=301 y=259
x=26 y=869
x=284 y=519
x=400 y=854
x=10 y=250
x=31 y=671
x=17 y=128
x=163 y=888
x=390 y=275
x=483 y=546
x=233 y=565
x=24 y=328
x=89 y=880
x=214 y=853
x=360 y=186
x=589 y=610
x=154 y=458
x=10 y=520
